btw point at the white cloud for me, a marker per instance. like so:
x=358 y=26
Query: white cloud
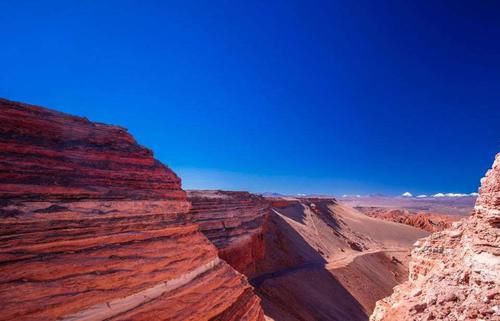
x=422 y=195
x=407 y=194
x=453 y=195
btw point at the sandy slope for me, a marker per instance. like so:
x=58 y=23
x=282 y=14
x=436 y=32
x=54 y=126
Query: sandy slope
x=326 y=261
x=389 y=234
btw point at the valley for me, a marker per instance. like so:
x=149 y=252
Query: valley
x=93 y=227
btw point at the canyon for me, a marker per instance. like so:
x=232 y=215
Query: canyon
x=329 y=260
x=307 y=258
x=94 y=228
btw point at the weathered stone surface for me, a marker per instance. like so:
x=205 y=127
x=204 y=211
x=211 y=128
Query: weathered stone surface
x=235 y=223
x=455 y=274
x=92 y=227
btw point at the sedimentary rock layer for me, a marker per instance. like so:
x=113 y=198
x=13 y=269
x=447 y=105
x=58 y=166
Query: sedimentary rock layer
x=50 y=155
x=92 y=227
x=235 y=223
x=455 y=274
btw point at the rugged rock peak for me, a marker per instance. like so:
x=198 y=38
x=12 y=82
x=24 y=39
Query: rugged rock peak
x=455 y=274
x=92 y=227
x=235 y=223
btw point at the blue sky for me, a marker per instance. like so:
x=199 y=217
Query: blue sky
x=333 y=97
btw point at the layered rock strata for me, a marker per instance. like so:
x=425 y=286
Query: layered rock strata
x=235 y=223
x=455 y=274
x=92 y=227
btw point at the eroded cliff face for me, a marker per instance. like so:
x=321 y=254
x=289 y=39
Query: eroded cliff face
x=94 y=228
x=455 y=274
x=235 y=222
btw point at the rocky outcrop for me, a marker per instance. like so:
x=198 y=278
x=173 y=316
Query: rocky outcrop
x=426 y=221
x=455 y=274
x=92 y=227
x=235 y=223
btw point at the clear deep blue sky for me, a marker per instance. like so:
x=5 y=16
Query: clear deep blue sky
x=284 y=96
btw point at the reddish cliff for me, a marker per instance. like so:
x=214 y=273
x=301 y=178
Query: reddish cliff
x=93 y=227
x=426 y=221
x=455 y=274
x=235 y=223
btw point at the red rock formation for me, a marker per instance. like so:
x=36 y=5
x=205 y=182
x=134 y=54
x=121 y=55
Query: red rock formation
x=93 y=227
x=235 y=223
x=426 y=221
x=455 y=274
